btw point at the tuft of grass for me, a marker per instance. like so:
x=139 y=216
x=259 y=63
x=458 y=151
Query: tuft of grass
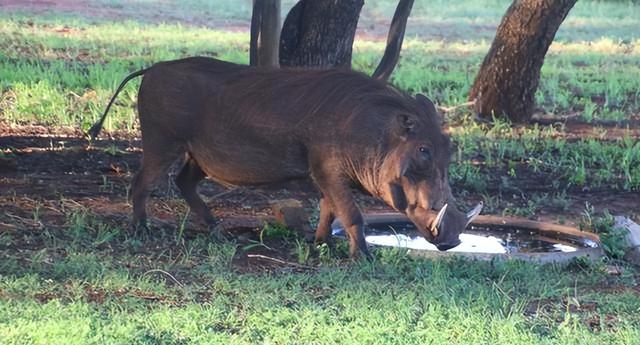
x=278 y=231
x=613 y=238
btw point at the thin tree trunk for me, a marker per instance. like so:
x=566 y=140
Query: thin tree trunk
x=265 y=33
x=319 y=33
x=394 y=40
x=509 y=76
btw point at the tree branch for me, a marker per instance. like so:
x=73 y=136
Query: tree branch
x=265 y=33
x=394 y=40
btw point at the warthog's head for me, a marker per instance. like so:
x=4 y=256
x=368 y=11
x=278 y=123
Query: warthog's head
x=414 y=176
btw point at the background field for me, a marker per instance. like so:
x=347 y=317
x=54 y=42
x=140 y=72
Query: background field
x=72 y=272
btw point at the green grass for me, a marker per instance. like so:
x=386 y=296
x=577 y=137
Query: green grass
x=83 y=287
x=538 y=153
x=66 y=78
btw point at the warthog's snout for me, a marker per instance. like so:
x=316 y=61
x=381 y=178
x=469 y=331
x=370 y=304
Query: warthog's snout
x=447 y=246
x=447 y=225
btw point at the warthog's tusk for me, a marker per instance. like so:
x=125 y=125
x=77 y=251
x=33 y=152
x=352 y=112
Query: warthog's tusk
x=439 y=218
x=471 y=215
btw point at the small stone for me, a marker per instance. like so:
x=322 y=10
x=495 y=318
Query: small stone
x=291 y=213
x=633 y=239
x=612 y=270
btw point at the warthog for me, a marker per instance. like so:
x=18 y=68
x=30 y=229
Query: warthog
x=241 y=125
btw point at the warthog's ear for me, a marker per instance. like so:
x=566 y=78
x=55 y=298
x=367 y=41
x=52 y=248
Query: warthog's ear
x=405 y=123
x=430 y=109
x=398 y=199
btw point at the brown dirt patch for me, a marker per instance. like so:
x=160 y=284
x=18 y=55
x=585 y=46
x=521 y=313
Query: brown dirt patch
x=45 y=172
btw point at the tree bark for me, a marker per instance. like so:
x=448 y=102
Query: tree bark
x=265 y=33
x=319 y=33
x=508 y=78
x=394 y=40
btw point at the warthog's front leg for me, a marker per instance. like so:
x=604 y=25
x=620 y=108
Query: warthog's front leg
x=337 y=193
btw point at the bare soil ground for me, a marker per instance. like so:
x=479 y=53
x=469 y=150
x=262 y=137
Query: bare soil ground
x=47 y=174
x=45 y=170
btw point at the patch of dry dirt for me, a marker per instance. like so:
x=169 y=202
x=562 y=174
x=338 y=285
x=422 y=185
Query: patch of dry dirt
x=46 y=169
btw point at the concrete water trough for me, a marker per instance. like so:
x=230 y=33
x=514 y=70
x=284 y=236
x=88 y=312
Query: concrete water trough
x=487 y=238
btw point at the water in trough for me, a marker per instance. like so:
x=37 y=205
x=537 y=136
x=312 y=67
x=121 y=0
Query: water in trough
x=476 y=239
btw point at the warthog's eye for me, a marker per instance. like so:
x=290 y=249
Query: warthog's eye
x=424 y=152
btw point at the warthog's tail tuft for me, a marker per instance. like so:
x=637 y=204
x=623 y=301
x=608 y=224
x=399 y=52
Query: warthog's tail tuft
x=95 y=129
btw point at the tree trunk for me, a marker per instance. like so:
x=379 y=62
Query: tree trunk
x=509 y=76
x=319 y=33
x=394 y=40
x=265 y=33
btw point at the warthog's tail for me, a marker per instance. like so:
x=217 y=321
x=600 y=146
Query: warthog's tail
x=95 y=129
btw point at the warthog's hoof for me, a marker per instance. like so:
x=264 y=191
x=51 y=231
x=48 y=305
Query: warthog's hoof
x=327 y=240
x=359 y=249
x=141 y=229
x=362 y=254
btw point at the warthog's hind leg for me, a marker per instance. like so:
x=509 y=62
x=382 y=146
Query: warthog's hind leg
x=155 y=165
x=187 y=181
x=326 y=217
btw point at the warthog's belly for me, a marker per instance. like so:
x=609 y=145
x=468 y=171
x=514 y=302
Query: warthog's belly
x=251 y=164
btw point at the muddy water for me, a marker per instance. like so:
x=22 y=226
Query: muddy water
x=474 y=239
